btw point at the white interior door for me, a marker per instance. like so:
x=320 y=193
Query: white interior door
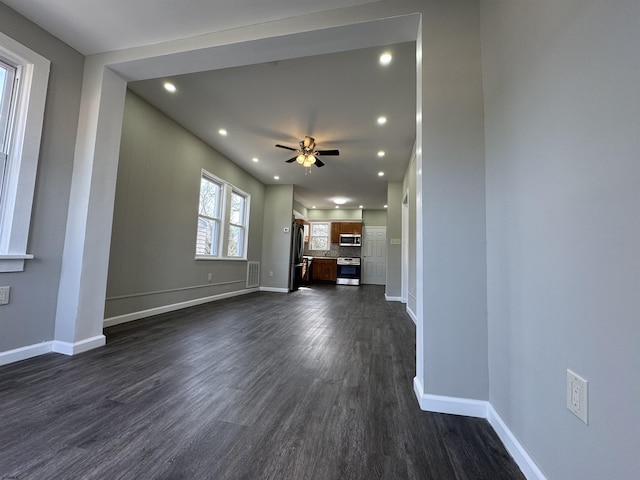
x=374 y=252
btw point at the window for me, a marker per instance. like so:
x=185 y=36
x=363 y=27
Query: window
x=223 y=215
x=320 y=236
x=237 y=225
x=24 y=76
x=209 y=217
x=7 y=88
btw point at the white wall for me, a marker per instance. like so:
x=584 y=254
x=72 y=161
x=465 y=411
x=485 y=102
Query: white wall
x=562 y=117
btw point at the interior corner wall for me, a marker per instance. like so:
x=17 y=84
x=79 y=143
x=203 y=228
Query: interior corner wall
x=276 y=245
x=453 y=337
x=374 y=218
x=29 y=318
x=409 y=187
x=152 y=261
x=562 y=109
x=393 y=284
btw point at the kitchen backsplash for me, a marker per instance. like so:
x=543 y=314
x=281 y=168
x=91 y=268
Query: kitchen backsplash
x=334 y=251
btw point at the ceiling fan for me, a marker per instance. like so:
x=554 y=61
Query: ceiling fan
x=307 y=155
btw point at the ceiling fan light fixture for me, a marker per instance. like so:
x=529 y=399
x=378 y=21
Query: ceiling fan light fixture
x=301 y=159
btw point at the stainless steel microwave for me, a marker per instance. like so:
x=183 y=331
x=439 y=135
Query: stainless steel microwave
x=350 y=240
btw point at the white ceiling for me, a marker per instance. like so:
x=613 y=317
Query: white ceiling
x=335 y=97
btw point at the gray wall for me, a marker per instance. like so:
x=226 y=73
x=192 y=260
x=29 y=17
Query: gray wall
x=336 y=214
x=276 y=245
x=155 y=216
x=29 y=318
x=563 y=168
x=394 y=231
x=453 y=213
x=374 y=218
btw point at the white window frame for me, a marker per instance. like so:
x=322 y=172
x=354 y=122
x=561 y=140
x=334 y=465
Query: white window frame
x=225 y=220
x=311 y=236
x=24 y=150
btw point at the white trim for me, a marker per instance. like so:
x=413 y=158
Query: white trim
x=392 y=299
x=30 y=351
x=480 y=409
x=514 y=447
x=68 y=348
x=411 y=314
x=23 y=353
x=172 y=290
x=274 y=289
x=452 y=405
x=129 y=317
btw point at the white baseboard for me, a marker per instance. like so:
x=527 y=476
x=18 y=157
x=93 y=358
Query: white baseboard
x=129 y=317
x=529 y=468
x=68 y=348
x=453 y=405
x=392 y=299
x=412 y=314
x=24 y=353
x=481 y=409
x=274 y=289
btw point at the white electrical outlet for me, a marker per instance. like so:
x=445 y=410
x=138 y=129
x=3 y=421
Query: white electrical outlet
x=4 y=295
x=577 y=395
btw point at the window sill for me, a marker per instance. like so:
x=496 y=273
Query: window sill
x=13 y=263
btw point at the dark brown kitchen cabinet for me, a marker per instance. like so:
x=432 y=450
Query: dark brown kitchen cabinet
x=324 y=269
x=335 y=232
x=338 y=228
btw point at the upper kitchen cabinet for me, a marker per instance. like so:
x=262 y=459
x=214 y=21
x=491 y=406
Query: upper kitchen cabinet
x=338 y=228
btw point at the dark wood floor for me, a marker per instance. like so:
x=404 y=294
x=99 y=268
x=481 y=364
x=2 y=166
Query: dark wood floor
x=315 y=385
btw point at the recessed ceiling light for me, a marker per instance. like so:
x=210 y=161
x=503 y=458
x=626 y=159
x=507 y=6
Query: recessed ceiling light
x=360 y=206
x=276 y=177
x=381 y=174
x=169 y=87
x=255 y=159
x=222 y=132
x=386 y=206
x=385 y=58
x=337 y=206
x=382 y=120
x=381 y=153
x=313 y=206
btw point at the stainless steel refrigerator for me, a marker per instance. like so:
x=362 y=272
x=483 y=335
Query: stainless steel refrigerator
x=297 y=252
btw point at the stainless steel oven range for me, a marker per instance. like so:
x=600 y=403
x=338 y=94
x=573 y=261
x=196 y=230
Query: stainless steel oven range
x=348 y=271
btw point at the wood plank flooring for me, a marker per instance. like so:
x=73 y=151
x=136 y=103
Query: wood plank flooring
x=316 y=384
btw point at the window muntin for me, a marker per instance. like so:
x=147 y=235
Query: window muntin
x=320 y=233
x=223 y=217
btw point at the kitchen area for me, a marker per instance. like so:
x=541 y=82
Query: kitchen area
x=325 y=252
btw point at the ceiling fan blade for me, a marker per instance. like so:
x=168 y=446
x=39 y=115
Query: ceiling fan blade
x=328 y=152
x=318 y=163
x=287 y=148
x=291 y=160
